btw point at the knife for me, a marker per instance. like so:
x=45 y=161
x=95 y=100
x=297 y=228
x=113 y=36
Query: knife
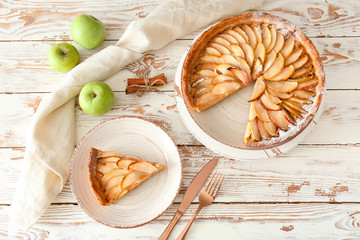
x=189 y=195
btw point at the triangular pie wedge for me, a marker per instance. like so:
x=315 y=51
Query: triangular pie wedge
x=113 y=175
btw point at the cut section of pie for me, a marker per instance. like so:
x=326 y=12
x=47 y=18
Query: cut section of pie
x=280 y=59
x=112 y=175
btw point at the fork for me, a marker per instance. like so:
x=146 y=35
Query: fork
x=206 y=198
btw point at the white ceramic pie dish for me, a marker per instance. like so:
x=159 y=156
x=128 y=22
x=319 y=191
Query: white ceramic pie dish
x=221 y=127
x=141 y=139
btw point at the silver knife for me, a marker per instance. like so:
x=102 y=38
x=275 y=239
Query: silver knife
x=189 y=195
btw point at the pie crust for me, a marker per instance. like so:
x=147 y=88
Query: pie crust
x=112 y=175
x=261 y=48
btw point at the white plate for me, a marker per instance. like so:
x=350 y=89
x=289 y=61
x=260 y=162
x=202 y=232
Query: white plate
x=221 y=128
x=138 y=138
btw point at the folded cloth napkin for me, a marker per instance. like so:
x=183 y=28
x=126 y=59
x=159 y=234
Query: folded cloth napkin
x=51 y=137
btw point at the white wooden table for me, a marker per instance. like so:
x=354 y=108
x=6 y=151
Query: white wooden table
x=312 y=192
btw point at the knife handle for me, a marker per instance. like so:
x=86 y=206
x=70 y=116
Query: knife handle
x=170 y=227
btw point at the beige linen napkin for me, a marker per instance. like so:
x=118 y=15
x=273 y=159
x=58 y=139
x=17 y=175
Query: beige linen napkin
x=51 y=137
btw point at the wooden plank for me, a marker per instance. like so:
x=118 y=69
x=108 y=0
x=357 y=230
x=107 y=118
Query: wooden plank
x=218 y=221
x=38 y=20
x=28 y=67
x=305 y=174
x=341 y=116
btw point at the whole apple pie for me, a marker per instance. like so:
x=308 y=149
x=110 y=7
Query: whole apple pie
x=281 y=61
x=112 y=175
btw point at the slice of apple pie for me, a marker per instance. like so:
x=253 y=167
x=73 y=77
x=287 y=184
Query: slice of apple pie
x=272 y=52
x=112 y=175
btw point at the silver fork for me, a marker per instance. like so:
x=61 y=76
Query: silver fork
x=206 y=198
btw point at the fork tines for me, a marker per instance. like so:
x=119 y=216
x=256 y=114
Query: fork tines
x=214 y=184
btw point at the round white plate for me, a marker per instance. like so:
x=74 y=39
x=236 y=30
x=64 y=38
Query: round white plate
x=138 y=138
x=221 y=128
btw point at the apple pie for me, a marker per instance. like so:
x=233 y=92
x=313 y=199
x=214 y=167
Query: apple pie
x=281 y=61
x=112 y=175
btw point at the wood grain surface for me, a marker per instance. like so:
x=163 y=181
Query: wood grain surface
x=312 y=192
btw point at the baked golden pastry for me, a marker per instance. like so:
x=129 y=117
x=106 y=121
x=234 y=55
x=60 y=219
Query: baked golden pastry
x=112 y=175
x=269 y=50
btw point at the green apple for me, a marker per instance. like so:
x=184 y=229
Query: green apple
x=63 y=57
x=96 y=98
x=88 y=31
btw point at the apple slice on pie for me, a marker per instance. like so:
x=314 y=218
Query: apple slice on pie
x=112 y=175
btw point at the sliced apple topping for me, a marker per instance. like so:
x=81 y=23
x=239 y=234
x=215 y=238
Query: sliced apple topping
x=241 y=74
x=225 y=88
x=288 y=47
x=252 y=114
x=273 y=34
x=206 y=66
x=132 y=178
x=255 y=130
x=281 y=95
x=303 y=79
x=279 y=42
x=249 y=53
x=259 y=89
x=304 y=94
x=261 y=112
x=202 y=83
x=260 y=52
x=207 y=73
x=266 y=36
x=288 y=116
x=308 y=84
x=295 y=114
x=271 y=128
x=242 y=33
x=113 y=181
x=113 y=173
x=302 y=72
x=221 y=41
x=294 y=56
x=115 y=193
x=272 y=98
x=125 y=163
x=282 y=86
x=210 y=59
x=300 y=100
x=269 y=60
x=265 y=101
x=263 y=132
x=109 y=154
x=295 y=105
x=229 y=38
x=220 y=48
x=300 y=62
x=257 y=69
x=108 y=159
x=223 y=69
x=247 y=135
x=236 y=35
x=242 y=64
x=222 y=78
x=143 y=167
x=257 y=34
x=275 y=68
x=236 y=50
x=251 y=36
x=104 y=168
x=212 y=51
x=279 y=119
x=284 y=74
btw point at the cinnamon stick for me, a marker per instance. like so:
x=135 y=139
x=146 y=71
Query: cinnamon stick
x=141 y=81
x=140 y=84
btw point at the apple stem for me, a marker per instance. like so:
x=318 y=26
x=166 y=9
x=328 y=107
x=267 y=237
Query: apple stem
x=93 y=95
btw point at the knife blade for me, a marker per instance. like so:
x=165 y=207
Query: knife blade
x=190 y=194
